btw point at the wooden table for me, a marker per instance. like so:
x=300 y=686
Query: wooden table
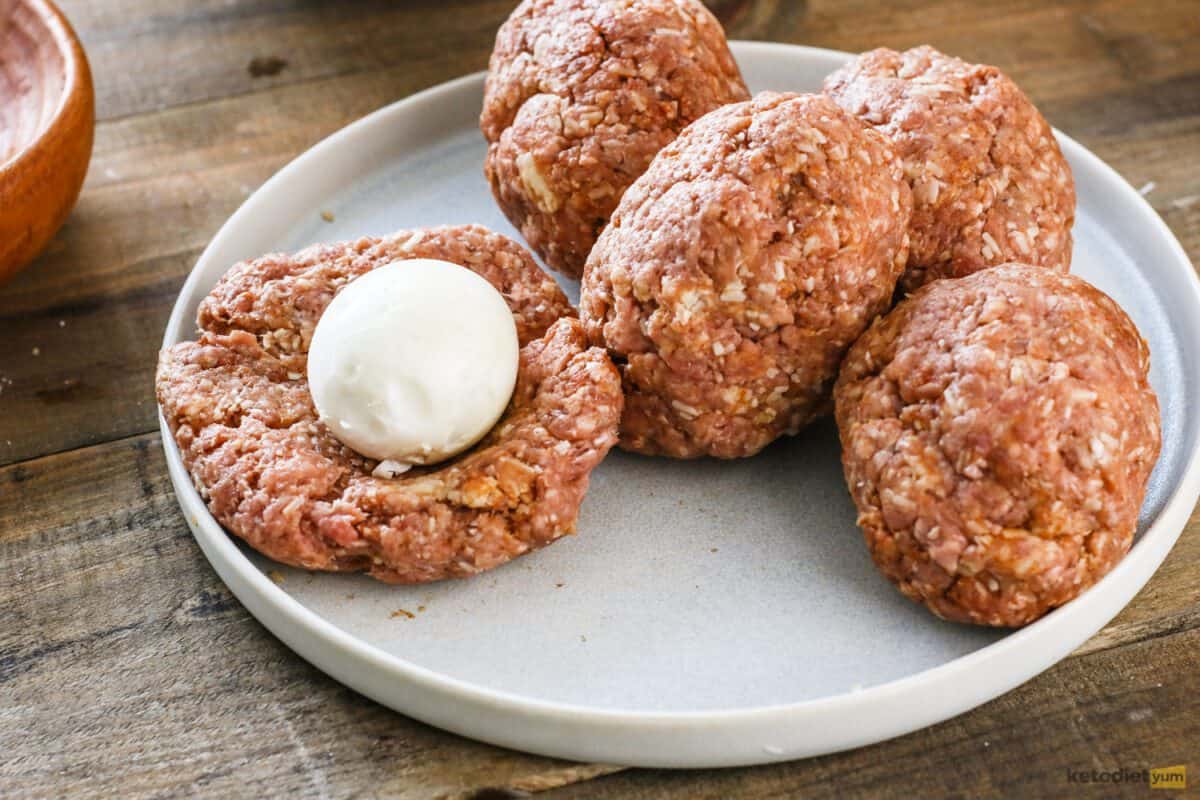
x=127 y=669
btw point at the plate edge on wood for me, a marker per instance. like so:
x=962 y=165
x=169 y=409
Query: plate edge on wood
x=736 y=737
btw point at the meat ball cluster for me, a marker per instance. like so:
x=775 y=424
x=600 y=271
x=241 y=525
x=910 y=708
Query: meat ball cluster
x=739 y=268
x=989 y=182
x=998 y=428
x=998 y=432
x=580 y=97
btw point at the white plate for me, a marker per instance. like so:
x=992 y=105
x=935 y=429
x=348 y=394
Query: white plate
x=707 y=614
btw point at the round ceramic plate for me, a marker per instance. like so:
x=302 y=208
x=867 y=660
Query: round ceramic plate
x=707 y=613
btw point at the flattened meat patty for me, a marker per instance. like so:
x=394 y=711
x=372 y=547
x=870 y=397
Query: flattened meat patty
x=738 y=270
x=238 y=405
x=998 y=432
x=989 y=182
x=580 y=96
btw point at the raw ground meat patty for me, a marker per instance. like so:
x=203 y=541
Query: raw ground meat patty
x=989 y=182
x=239 y=407
x=998 y=432
x=738 y=270
x=580 y=96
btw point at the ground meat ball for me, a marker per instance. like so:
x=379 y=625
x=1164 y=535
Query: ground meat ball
x=580 y=96
x=238 y=405
x=998 y=432
x=739 y=268
x=989 y=182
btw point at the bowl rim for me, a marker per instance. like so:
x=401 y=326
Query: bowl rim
x=75 y=65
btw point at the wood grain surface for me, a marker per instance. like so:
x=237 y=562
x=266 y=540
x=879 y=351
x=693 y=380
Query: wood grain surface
x=126 y=667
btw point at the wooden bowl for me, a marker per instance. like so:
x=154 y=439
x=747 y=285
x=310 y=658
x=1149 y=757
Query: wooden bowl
x=47 y=120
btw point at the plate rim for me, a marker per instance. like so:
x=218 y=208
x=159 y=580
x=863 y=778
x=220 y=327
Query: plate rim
x=702 y=738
